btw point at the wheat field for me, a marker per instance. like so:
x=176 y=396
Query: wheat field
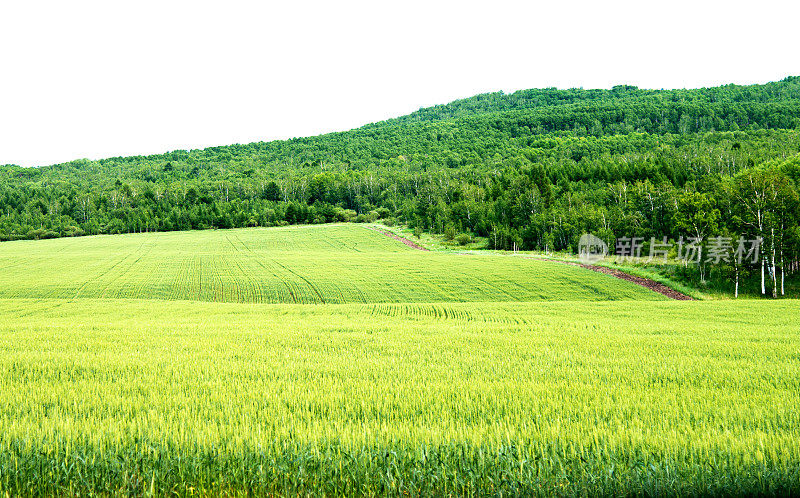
x=298 y=264
x=550 y=390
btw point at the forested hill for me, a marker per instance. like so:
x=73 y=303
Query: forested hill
x=697 y=101
x=535 y=169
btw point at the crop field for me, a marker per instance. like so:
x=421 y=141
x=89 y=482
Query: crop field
x=117 y=380
x=303 y=264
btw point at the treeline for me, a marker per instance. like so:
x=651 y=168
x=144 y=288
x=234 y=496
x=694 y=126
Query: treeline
x=782 y=91
x=530 y=170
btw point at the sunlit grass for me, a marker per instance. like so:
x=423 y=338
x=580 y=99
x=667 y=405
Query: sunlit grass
x=300 y=264
x=532 y=385
x=118 y=396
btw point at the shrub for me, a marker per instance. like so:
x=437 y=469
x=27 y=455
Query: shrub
x=463 y=239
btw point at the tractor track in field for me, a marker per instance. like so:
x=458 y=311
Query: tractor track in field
x=613 y=272
x=410 y=243
x=644 y=282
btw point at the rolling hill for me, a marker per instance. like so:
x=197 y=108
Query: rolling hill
x=144 y=350
x=533 y=169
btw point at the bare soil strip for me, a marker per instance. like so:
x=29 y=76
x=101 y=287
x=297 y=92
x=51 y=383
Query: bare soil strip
x=404 y=240
x=644 y=282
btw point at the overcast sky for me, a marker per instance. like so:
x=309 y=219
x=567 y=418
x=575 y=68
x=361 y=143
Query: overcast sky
x=84 y=79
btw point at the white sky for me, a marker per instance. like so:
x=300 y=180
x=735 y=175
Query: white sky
x=112 y=78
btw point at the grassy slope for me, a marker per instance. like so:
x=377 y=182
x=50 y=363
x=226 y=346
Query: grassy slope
x=302 y=264
x=555 y=397
x=478 y=247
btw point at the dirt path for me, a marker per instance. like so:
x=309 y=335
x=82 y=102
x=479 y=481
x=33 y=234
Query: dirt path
x=644 y=282
x=408 y=242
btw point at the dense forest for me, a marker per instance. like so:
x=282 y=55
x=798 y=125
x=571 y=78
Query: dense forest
x=534 y=169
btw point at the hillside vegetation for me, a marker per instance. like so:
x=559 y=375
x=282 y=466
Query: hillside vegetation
x=295 y=354
x=534 y=169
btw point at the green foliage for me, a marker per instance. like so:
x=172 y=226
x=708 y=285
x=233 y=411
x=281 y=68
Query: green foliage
x=463 y=239
x=535 y=168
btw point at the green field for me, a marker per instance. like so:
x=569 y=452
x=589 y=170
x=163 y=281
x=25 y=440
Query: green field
x=535 y=384
x=300 y=264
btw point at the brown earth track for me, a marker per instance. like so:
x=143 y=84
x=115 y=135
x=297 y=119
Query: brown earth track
x=644 y=282
x=404 y=240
